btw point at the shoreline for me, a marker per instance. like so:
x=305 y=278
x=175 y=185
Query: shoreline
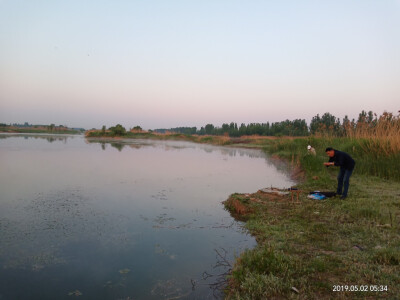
x=16 y=131
x=306 y=249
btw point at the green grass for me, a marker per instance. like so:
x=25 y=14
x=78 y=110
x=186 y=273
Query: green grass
x=317 y=244
x=369 y=161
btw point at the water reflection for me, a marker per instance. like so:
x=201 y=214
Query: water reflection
x=60 y=218
x=48 y=137
x=177 y=145
x=133 y=219
x=117 y=146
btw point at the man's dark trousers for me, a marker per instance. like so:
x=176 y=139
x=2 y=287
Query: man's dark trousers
x=343 y=177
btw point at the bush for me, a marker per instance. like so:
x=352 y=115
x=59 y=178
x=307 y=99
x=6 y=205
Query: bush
x=118 y=130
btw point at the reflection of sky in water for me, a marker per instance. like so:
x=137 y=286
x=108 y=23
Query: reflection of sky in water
x=140 y=221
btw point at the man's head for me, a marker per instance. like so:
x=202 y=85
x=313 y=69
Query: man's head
x=330 y=151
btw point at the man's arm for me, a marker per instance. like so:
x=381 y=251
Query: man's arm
x=330 y=162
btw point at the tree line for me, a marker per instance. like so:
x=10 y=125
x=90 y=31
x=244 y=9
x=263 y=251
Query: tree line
x=326 y=124
x=297 y=127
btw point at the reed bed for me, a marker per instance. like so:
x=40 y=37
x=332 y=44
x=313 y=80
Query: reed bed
x=371 y=161
x=305 y=249
x=380 y=135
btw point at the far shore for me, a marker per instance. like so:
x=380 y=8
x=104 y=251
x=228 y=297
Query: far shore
x=253 y=141
x=13 y=129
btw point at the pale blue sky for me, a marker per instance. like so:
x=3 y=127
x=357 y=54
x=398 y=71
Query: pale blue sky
x=189 y=63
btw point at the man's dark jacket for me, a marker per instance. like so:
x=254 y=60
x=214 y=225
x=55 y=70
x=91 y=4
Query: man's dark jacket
x=343 y=160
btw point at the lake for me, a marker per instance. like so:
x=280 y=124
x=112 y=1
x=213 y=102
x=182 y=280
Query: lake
x=137 y=220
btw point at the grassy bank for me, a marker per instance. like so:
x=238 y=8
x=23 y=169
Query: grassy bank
x=307 y=250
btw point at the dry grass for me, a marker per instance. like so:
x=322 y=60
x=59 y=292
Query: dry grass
x=382 y=134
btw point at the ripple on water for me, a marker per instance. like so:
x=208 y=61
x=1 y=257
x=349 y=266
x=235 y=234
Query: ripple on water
x=35 y=236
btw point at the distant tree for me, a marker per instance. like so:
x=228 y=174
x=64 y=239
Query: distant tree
x=315 y=124
x=103 y=130
x=346 y=128
x=160 y=130
x=51 y=127
x=242 y=129
x=225 y=128
x=184 y=130
x=365 y=117
x=209 y=128
x=327 y=124
x=362 y=117
x=370 y=117
x=137 y=128
x=118 y=130
x=366 y=121
x=297 y=127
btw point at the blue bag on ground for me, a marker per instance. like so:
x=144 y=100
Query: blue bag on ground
x=316 y=196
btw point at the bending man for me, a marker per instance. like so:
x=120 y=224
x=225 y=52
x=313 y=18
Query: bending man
x=346 y=164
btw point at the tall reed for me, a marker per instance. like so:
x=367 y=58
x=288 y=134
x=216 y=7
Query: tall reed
x=380 y=136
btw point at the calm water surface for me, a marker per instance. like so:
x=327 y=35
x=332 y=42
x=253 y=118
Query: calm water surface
x=121 y=221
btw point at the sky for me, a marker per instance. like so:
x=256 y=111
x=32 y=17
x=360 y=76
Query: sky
x=163 y=64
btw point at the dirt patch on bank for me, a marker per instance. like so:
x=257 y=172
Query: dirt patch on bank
x=242 y=206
